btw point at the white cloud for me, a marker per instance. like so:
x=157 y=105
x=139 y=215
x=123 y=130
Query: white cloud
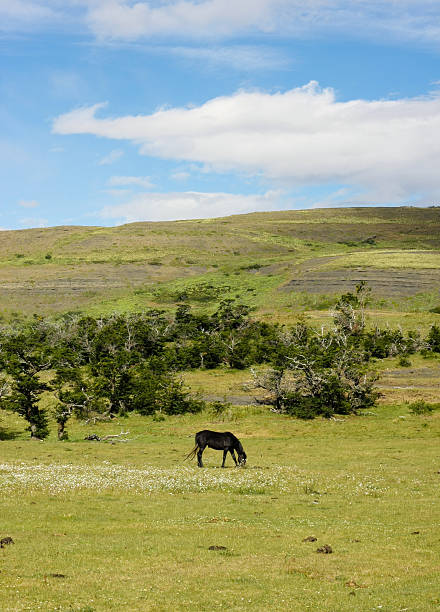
x=13 y=13
x=139 y=181
x=29 y=222
x=121 y=19
x=28 y=203
x=189 y=205
x=337 y=198
x=387 y=149
x=113 y=156
x=416 y=20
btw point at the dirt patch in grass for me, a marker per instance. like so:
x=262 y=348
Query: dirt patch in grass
x=53 y=287
x=411 y=378
x=387 y=283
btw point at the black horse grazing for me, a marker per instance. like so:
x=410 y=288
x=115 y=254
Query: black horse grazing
x=225 y=441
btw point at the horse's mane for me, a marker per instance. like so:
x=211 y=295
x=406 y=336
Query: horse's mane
x=239 y=446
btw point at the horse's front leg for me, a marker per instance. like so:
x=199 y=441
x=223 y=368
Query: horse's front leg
x=231 y=450
x=199 y=456
x=225 y=452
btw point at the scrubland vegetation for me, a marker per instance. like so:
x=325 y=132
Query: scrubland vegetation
x=314 y=337
x=96 y=368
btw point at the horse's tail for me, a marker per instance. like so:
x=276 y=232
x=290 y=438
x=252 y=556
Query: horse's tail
x=193 y=453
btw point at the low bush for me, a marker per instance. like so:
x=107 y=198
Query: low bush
x=422 y=407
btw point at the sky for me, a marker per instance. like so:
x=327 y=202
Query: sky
x=114 y=111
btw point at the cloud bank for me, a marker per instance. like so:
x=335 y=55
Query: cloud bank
x=188 y=205
x=389 y=150
x=416 y=20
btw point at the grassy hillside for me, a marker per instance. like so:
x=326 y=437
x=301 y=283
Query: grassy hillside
x=277 y=262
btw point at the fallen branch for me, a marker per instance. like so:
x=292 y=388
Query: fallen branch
x=109 y=438
x=116 y=437
x=94 y=418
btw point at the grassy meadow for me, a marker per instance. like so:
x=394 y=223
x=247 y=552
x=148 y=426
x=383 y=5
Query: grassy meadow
x=114 y=525
x=129 y=526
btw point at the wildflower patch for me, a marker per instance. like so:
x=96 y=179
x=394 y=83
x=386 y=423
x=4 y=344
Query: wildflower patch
x=60 y=478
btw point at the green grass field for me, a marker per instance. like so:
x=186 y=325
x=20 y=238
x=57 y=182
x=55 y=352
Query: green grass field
x=128 y=526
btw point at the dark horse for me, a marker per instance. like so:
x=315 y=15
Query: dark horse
x=225 y=441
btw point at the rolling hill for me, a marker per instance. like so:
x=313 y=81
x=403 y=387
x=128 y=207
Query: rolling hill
x=277 y=262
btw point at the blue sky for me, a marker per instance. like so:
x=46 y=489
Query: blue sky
x=114 y=111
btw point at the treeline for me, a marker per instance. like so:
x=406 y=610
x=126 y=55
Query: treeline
x=105 y=366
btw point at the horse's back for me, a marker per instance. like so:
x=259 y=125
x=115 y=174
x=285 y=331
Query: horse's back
x=215 y=439
x=208 y=432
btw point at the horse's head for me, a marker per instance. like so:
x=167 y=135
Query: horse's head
x=242 y=459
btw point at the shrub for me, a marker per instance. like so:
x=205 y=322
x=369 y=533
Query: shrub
x=162 y=392
x=218 y=408
x=422 y=407
x=404 y=362
x=252 y=266
x=433 y=339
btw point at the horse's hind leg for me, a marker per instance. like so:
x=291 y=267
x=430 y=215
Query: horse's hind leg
x=225 y=452
x=231 y=450
x=199 y=456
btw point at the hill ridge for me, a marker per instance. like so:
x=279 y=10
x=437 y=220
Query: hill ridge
x=259 y=258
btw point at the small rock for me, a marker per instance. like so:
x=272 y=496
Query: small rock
x=217 y=548
x=93 y=437
x=57 y=575
x=310 y=539
x=326 y=549
x=5 y=541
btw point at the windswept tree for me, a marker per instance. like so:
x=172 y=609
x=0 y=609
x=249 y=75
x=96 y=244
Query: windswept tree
x=157 y=390
x=349 y=312
x=25 y=358
x=77 y=395
x=319 y=372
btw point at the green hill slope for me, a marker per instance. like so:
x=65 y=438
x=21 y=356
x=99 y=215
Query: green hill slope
x=276 y=262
